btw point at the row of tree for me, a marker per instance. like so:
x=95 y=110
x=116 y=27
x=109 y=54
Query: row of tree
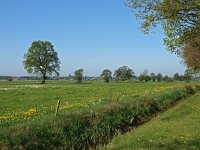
x=42 y=59
x=122 y=73
x=159 y=77
x=125 y=73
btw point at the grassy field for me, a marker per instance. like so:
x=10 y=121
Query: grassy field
x=94 y=111
x=178 y=128
x=23 y=100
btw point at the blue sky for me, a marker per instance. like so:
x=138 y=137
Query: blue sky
x=89 y=34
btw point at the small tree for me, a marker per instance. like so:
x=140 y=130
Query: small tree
x=141 y=77
x=147 y=78
x=123 y=73
x=42 y=59
x=129 y=74
x=165 y=78
x=153 y=77
x=159 y=77
x=144 y=76
x=78 y=75
x=176 y=76
x=106 y=75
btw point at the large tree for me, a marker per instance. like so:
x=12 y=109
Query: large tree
x=180 y=19
x=42 y=59
x=106 y=75
x=123 y=73
x=191 y=54
x=187 y=75
x=78 y=75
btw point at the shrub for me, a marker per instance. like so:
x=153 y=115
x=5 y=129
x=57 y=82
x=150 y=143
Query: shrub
x=197 y=87
x=170 y=80
x=190 y=89
x=10 y=79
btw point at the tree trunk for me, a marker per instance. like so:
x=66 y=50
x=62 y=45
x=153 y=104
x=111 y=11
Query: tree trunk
x=43 y=79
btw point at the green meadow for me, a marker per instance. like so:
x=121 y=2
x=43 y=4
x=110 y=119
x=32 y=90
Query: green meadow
x=23 y=100
x=95 y=111
x=177 y=128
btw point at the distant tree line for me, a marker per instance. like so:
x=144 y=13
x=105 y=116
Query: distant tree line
x=125 y=73
x=42 y=59
x=121 y=74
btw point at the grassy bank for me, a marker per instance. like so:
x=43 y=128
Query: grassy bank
x=178 y=128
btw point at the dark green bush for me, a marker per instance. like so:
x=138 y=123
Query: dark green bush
x=197 y=87
x=10 y=79
x=190 y=89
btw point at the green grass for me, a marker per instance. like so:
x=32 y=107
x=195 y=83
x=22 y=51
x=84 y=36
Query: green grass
x=24 y=100
x=177 y=128
x=90 y=113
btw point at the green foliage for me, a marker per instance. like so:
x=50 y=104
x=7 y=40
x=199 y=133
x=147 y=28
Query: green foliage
x=144 y=76
x=153 y=77
x=124 y=73
x=78 y=75
x=10 y=79
x=106 y=75
x=190 y=89
x=191 y=54
x=197 y=87
x=159 y=77
x=170 y=79
x=187 y=75
x=42 y=58
x=180 y=19
x=176 y=77
x=165 y=78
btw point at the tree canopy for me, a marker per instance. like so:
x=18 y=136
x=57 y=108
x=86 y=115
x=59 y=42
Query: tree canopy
x=153 y=77
x=144 y=76
x=42 y=59
x=106 y=75
x=191 y=54
x=159 y=77
x=78 y=75
x=123 y=73
x=180 y=19
x=176 y=76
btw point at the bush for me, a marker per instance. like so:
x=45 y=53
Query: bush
x=170 y=80
x=197 y=87
x=190 y=89
x=10 y=79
